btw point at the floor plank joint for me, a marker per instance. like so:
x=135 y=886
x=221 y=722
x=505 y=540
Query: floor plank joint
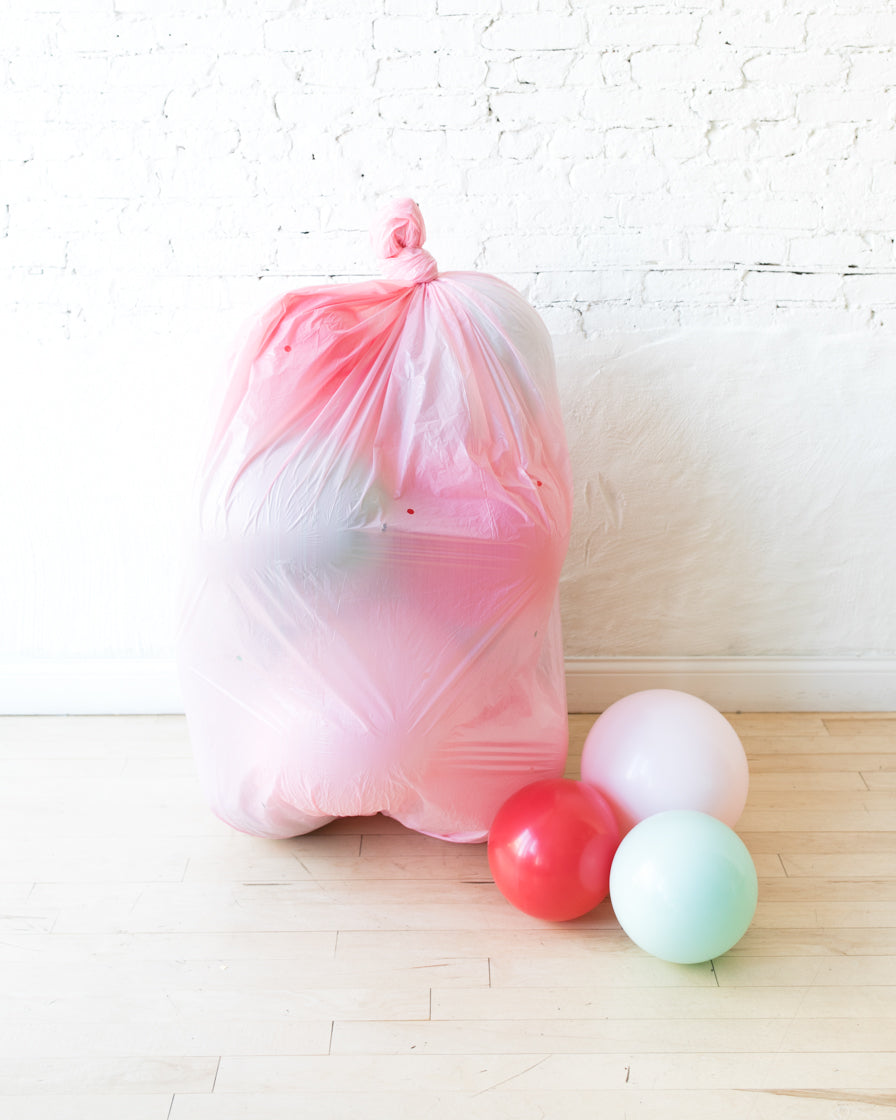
x=158 y=966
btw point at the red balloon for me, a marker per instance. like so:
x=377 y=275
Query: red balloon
x=550 y=848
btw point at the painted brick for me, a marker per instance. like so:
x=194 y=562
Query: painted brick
x=682 y=212
x=700 y=179
x=608 y=176
x=500 y=74
x=839 y=252
x=560 y=8
x=141 y=103
x=737 y=246
x=867 y=212
x=140 y=32
x=431 y=110
x=583 y=67
x=411 y=71
x=536 y=108
x=32 y=105
x=409 y=7
x=546 y=210
x=630 y=153
x=544 y=67
x=581 y=287
x=874 y=142
x=773 y=213
x=409 y=145
x=525 y=7
x=561 y=319
x=626 y=248
x=804 y=69
x=701 y=286
x=679 y=141
x=174 y=68
x=599 y=320
x=883 y=178
x=296 y=105
x=465 y=7
x=793 y=287
x=629 y=106
x=464 y=70
x=85 y=32
x=508 y=252
x=334 y=34
x=745 y=105
x=478 y=143
x=356 y=68
x=629 y=143
x=686 y=66
x=412 y=33
x=776 y=140
x=841 y=177
x=870 y=69
x=318 y=9
x=32 y=32
x=751 y=26
x=536 y=32
x=236 y=30
x=32 y=248
x=213 y=8
x=569 y=139
x=836 y=29
x=519 y=145
x=870 y=290
x=859 y=106
x=641 y=28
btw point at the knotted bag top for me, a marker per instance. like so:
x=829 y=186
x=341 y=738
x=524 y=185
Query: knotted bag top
x=397 y=237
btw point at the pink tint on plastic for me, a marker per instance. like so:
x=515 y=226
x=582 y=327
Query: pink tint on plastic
x=371 y=620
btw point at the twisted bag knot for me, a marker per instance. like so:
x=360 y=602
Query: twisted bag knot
x=398 y=235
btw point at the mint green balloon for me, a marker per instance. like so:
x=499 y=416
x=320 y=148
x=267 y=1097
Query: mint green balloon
x=683 y=886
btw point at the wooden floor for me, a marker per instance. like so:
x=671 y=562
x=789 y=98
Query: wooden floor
x=156 y=966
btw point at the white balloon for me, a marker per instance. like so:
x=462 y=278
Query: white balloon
x=661 y=749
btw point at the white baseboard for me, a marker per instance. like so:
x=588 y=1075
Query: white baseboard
x=745 y=684
x=748 y=684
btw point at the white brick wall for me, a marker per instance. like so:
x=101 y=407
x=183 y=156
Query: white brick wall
x=635 y=167
x=782 y=113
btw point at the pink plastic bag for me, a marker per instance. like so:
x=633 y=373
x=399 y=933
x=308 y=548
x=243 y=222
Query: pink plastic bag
x=371 y=620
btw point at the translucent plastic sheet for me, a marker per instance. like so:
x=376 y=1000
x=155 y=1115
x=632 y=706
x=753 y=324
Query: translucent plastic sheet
x=371 y=620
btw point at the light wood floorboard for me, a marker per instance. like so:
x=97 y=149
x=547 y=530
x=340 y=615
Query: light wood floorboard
x=155 y=965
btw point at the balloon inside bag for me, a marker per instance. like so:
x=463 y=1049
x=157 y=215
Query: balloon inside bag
x=370 y=621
